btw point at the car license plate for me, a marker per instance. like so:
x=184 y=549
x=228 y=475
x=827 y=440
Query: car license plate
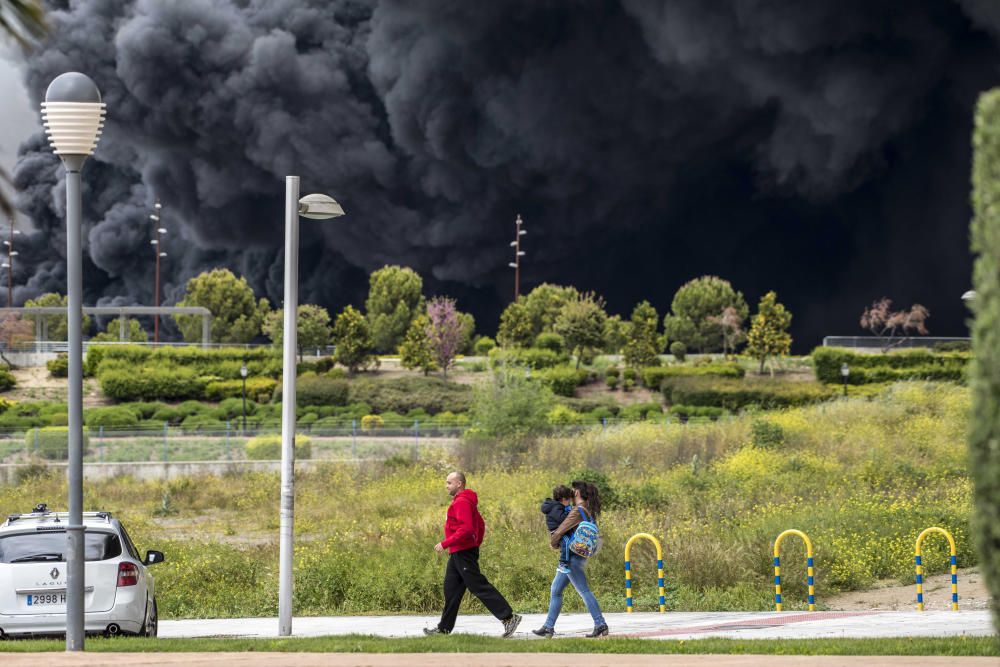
x=43 y=599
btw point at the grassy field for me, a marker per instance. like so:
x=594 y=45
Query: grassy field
x=947 y=646
x=862 y=477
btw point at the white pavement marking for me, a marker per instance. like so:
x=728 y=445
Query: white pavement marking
x=672 y=625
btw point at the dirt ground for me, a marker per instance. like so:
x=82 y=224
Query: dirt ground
x=889 y=595
x=35 y=384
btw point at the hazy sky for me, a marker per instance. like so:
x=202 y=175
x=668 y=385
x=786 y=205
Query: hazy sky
x=19 y=119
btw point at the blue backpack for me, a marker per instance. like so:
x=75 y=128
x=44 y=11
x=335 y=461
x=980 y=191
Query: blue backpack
x=586 y=539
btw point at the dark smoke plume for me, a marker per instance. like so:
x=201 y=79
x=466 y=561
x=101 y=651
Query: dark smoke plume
x=820 y=149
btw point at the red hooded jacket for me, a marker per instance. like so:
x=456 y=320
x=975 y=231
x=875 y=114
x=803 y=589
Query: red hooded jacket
x=464 y=527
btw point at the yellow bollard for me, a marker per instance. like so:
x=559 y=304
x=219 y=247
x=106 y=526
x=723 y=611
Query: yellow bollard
x=628 y=569
x=809 y=568
x=920 y=567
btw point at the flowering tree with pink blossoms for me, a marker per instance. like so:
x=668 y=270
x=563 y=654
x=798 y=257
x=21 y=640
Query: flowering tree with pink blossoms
x=444 y=331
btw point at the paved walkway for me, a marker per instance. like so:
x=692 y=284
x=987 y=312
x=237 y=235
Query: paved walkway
x=672 y=625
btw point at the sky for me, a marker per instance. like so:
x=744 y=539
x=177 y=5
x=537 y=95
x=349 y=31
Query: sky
x=820 y=149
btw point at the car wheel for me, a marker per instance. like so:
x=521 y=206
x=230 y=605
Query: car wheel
x=152 y=624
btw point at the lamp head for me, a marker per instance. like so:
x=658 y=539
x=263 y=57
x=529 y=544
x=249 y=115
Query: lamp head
x=319 y=207
x=244 y=371
x=845 y=369
x=73 y=115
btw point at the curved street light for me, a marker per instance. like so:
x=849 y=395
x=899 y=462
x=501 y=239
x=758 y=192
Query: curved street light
x=73 y=115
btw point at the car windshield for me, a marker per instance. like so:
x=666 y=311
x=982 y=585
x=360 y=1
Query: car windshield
x=51 y=546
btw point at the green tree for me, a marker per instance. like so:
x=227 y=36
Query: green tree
x=54 y=327
x=312 y=327
x=695 y=305
x=984 y=428
x=615 y=334
x=353 y=340
x=415 y=350
x=769 y=335
x=394 y=299
x=643 y=346
x=468 y=323
x=236 y=314
x=581 y=323
x=515 y=326
x=134 y=332
x=543 y=305
x=511 y=407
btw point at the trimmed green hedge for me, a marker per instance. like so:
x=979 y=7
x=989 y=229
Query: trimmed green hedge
x=321 y=390
x=58 y=367
x=7 y=380
x=259 y=389
x=113 y=417
x=653 y=376
x=152 y=383
x=223 y=362
x=532 y=357
x=563 y=380
x=734 y=395
x=403 y=394
x=920 y=364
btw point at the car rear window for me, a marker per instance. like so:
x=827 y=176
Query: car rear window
x=51 y=546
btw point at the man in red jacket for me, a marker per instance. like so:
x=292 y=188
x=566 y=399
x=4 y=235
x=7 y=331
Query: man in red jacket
x=463 y=533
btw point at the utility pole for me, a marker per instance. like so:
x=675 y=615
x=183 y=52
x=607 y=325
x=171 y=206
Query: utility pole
x=518 y=254
x=9 y=264
x=158 y=230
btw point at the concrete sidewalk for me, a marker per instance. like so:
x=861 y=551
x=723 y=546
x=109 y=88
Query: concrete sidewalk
x=671 y=625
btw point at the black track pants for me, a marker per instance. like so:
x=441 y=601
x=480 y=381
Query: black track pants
x=463 y=574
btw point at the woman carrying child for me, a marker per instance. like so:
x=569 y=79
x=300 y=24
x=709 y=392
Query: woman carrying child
x=587 y=507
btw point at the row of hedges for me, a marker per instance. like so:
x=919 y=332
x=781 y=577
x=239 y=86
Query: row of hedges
x=563 y=380
x=897 y=365
x=222 y=362
x=735 y=395
x=653 y=376
x=532 y=357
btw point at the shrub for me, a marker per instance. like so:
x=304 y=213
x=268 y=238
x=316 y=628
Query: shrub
x=548 y=340
x=372 y=422
x=653 y=376
x=686 y=412
x=630 y=374
x=231 y=408
x=123 y=383
x=612 y=382
x=268 y=447
x=896 y=365
x=641 y=411
x=337 y=373
x=7 y=380
x=679 y=350
x=403 y=394
x=605 y=489
x=563 y=380
x=52 y=442
x=168 y=414
x=203 y=422
x=58 y=367
x=144 y=410
x=321 y=390
x=259 y=389
x=737 y=394
x=483 y=345
x=560 y=415
x=113 y=417
x=532 y=357
x=765 y=433
x=188 y=408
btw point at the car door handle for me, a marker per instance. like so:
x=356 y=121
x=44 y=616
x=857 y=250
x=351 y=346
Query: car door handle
x=48 y=589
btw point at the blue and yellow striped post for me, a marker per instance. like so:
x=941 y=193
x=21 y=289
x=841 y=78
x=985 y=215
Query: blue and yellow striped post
x=920 y=567
x=809 y=568
x=628 y=569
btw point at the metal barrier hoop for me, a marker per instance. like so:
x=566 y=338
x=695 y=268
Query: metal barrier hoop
x=628 y=569
x=920 y=567
x=809 y=568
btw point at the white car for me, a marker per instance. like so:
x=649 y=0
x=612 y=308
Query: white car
x=119 y=595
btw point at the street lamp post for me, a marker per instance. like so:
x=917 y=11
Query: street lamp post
x=518 y=254
x=158 y=231
x=243 y=374
x=74 y=115
x=845 y=372
x=9 y=264
x=316 y=207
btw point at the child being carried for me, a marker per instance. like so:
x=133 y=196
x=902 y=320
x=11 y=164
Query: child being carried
x=555 y=510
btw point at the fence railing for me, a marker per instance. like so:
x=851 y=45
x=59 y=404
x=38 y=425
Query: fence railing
x=879 y=342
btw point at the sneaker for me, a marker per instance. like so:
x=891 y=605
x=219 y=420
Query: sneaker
x=510 y=625
x=430 y=632
x=544 y=632
x=599 y=631
x=562 y=568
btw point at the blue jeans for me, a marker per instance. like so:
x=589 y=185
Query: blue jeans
x=578 y=577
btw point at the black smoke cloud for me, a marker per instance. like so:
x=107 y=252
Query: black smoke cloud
x=818 y=149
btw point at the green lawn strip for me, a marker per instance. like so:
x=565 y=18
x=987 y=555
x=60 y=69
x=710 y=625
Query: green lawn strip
x=459 y=643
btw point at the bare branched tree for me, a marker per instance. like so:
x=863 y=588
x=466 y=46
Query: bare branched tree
x=895 y=327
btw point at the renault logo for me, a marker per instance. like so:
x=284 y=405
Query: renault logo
x=54 y=573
